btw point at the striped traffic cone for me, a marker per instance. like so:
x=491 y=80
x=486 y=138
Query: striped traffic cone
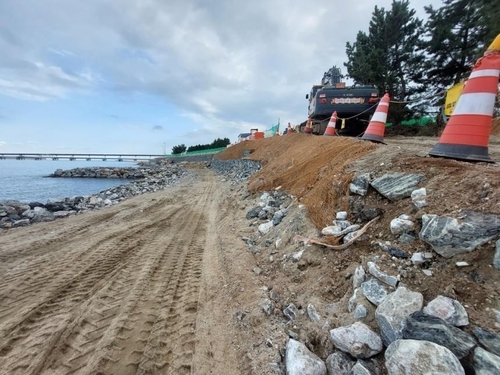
x=376 y=128
x=330 y=129
x=466 y=136
x=308 y=129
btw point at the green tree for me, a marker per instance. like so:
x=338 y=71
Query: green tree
x=457 y=35
x=179 y=149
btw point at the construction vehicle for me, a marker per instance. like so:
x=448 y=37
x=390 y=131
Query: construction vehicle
x=355 y=104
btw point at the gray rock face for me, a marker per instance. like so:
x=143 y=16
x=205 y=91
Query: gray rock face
x=496 y=257
x=421 y=326
x=485 y=363
x=376 y=272
x=299 y=360
x=339 y=363
x=448 y=309
x=410 y=357
x=449 y=236
x=374 y=291
x=488 y=339
x=357 y=339
x=396 y=186
x=360 y=184
x=392 y=313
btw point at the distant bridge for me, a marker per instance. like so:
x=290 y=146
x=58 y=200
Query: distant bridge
x=103 y=157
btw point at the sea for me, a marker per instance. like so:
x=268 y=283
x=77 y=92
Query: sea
x=27 y=181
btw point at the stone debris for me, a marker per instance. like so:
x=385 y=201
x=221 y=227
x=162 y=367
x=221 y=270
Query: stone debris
x=291 y=312
x=359 y=277
x=376 y=272
x=392 y=313
x=488 y=339
x=313 y=313
x=299 y=360
x=485 y=363
x=374 y=291
x=339 y=363
x=357 y=339
x=395 y=186
x=410 y=357
x=360 y=312
x=360 y=184
x=448 y=309
x=421 y=326
x=418 y=198
x=496 y=257
x=402 y=224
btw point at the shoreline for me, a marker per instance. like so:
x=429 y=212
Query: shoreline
x=148 y=177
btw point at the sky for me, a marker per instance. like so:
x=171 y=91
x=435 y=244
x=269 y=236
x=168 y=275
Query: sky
x=141 y=76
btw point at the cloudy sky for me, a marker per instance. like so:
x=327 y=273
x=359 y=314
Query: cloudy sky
x=138 y=76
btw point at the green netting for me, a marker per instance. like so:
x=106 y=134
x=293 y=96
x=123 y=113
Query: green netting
x=193 y=153
x=423 y=121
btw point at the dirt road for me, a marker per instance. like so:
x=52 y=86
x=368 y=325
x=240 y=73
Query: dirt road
x=133 y=289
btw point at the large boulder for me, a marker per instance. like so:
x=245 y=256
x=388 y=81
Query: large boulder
x=391 y=314
x=300 y=361
x=357 y=339
x=448 y=309
x=488 y=339
x=449 y=236
x=421 y=326
x=411 y=357
x=485 y=363
x=339 y=363
x=396 y=186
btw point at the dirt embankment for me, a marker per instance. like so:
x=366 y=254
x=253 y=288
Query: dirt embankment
x=164 y=284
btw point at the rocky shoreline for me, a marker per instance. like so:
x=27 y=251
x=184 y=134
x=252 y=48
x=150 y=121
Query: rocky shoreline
x=148 y=177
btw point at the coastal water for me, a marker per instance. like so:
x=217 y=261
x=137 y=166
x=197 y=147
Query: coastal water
x=26 y=181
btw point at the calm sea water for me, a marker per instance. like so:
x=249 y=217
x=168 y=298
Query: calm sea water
x=25 y=180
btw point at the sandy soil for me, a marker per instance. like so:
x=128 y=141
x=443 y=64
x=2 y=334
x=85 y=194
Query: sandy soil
x=164 y=284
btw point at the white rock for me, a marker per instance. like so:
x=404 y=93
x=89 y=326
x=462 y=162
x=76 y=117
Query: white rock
x=411 y=357
x=359 y=277
x=462 y=264
x=300 y=361
x=427 y=272
x=376 y=272
x=341 y=215
x=265 y=227
x=418 y=198
x=332 y=230
x=448 y=309
x=313 y=313
x=357 y=339
x=400 y=225
x=418 y=258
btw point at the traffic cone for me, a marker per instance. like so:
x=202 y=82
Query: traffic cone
x=308 y=129
x=289 y=129
x=466 y=136
x=376 y=128
x=330 y=129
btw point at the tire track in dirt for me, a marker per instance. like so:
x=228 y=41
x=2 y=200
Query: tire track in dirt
x=124 y=303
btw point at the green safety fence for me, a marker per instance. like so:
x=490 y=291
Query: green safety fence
x=423 y=121
x=194 y=153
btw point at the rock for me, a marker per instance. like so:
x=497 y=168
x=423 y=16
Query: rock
x=299 y=360
x=427 y=272
x=357 y=339
x=367 y=214
x=421 y=326
x=410 y=357
x=253 y=213
x=264 y=197
x=449 y=236
x=265 y=227
x=485 y=363
x=393 y=311
x=21 y=223
x=374 y=291
x=450 y=310
x=418 y=198
x=291 y=312
x=298 y=255
x=406 y=238
x=353 y=301
x=375 y=271
x=332 y=230
x=363 y=368
x=54 y=207
x=400 y=225
x=397 y=185
x=418 y=258
x=360 y=184
x=343 y=224
x=61 y=214
x=349 y=236
x=339 y=363
x=360 y=312
x=42 y=214
x=341 y=215
x=58 y=172
x=313 y=314
x=496 y=258
x=397 y=252
x=277 y=217
x=359 y=277
x=488 y=339
x=267 y=307
x=462 y=264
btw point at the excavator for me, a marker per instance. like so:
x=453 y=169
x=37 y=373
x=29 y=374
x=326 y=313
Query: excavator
x=354 y=105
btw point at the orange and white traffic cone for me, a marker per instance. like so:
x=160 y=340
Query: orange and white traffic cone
x=308 y=129
x=376 y=128
x=466 y=136
x=330 y=129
